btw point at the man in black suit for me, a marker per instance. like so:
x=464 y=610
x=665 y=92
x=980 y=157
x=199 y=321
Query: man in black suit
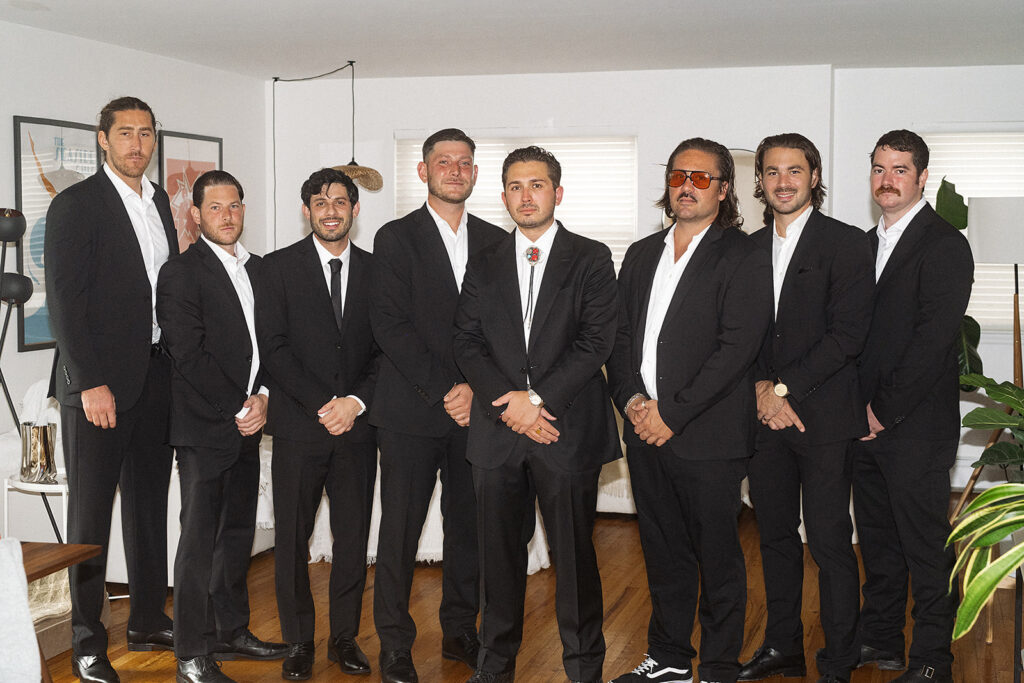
x=909 y=384
x=809 y=408
x=106 y=238
x=205 y=307
x=535 y=323
x=313 y=326
x=696 y=301
x=422 y=406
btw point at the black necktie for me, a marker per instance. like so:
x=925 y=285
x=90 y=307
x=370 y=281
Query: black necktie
x=335 y=265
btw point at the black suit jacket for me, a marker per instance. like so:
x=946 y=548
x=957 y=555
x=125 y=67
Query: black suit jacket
x=709 y=341
x=308 y=358
x=819 y=330
x=98 y=293
x=413 y=302
x=572 y=335
x=908 y=369
x=204 y=329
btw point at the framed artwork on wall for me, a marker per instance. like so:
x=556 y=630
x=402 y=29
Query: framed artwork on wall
x=183 y=158
x=49 y=157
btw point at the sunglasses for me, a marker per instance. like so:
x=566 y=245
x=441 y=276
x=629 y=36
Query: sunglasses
x=700 y=179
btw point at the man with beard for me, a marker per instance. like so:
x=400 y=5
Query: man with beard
x=696 y=301
x=422 y=406
x=106 y=238
x=909 y=384
x=218 y=409
x=809 y=408
x=535 y=323
x=313 y=326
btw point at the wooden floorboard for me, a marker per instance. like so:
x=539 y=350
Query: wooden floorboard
x=627 y=609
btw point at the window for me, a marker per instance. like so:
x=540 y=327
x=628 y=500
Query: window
x=599 y=176
x=981 y=165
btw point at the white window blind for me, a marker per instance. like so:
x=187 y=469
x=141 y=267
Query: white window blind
x=981 y=165
x=598 y=174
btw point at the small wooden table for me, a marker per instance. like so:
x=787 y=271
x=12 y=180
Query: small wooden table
x=43 y=559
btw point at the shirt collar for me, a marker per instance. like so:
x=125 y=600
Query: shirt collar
x=442 y=224
x=670 y=239
x=544 y=242
x=239 y=259
x=795 y=228
x=124 y=191
x=897 y=228
x=326 y=256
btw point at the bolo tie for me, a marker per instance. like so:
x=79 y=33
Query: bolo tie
x=532 y=255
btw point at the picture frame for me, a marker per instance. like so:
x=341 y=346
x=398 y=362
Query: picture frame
x=49 y=156
x=183 y=158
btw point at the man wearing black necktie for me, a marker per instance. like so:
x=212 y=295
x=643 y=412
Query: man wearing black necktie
x=313 y=326
x=535 y=324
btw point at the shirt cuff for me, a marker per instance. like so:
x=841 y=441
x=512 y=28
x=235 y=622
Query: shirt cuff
x=263 y=391
x=242 y=413
x=362 y=406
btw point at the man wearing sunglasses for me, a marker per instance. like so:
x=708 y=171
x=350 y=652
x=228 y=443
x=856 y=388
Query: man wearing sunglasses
x=696 y=301
x=808 y=406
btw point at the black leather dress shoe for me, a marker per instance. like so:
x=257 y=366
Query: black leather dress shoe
x=298 y=665
x=396 y=667
x=201 y=670
x=926 y=674
x=347 y=653
x=140 y=641
x=94 y=669
x=768 y=662
x=883 y=659
x=462 y=648
x=492 y=677
x=248 y=646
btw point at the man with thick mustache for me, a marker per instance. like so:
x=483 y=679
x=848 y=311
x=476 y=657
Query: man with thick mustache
x=808 y=402
x=422 y=407
x=910 y=389
x=205 y=307
x=696 y=301
x=313 y=326
x=106 y=238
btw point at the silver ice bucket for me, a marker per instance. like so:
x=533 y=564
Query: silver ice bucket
x=38 y=460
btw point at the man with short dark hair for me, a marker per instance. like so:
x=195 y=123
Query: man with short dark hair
x=809 y=408
x=696 y=301
x=313 y=326
x=422 y=406
x=106 y=238
x=909 y=384
x=205 y=306
x=535 y=324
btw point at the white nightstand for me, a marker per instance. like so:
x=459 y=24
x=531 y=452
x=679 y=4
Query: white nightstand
x=14 y=483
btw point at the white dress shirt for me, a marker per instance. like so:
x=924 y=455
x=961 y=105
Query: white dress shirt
x=325 y=267
x=782 y=251
x=888 y=237
x=149 y=230
x=239 y=276
x=663 y=288
x=455 y=243
x=523 y=267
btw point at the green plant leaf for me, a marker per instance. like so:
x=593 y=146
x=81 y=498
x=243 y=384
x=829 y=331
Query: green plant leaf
x=980 y=559
x=978 y=380
x=991 y=418
x=999 y=529
x=969 y=527
x=1007 y=393
x=967 y=350
x=997 y=494
x=1002 y=453
x=951 y=205
x=981 y=587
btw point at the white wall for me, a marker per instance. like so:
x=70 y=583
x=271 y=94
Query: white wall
x=660 y=108
x=869 y=102
x=50 y=75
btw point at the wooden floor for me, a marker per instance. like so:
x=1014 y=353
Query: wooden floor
x=627 y=610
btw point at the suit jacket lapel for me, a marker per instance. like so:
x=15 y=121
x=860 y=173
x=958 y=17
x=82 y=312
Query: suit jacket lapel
x=808 y=239
x=647 y=265
x=506 y=276
x=693 y=268
x=434 y=251
x=320 y=293
x=555 y=272
x=353 y=290
x=907 y=243
x=122 y=223
x=170 y=231
x=213 y=264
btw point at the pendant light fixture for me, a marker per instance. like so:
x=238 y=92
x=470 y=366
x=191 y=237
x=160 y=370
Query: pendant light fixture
x=363 y=175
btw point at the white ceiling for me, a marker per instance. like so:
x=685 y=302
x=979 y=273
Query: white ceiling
x=267 y=38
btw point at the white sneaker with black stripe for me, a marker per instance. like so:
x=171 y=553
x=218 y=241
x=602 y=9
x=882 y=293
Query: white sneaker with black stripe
x=650 y=671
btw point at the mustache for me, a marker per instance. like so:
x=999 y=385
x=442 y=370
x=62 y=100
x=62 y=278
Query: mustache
x=687 y=195
x=887 y=189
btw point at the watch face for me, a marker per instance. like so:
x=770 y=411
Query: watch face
x=781 y=389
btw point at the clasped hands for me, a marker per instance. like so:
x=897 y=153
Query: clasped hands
x=774 y=410
x=523 y=417
x=339 y=414
x=647 y=422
